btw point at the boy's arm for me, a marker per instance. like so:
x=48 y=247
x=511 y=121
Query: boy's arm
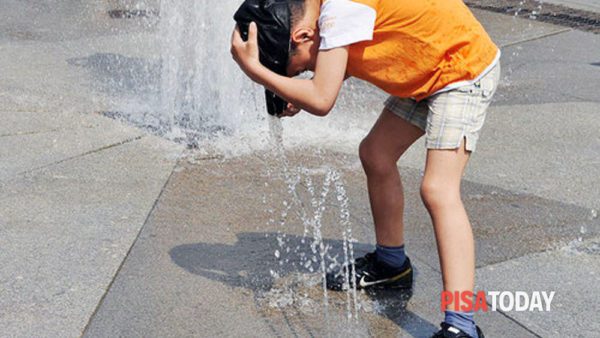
x=317 y=95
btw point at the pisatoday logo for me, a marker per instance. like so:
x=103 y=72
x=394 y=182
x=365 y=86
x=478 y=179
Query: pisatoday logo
x=536 y=301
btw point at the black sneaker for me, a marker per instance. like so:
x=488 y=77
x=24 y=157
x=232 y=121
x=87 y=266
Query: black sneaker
x=371 y=274
x=449 y=331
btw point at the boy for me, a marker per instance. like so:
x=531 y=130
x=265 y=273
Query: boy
x=440 y=68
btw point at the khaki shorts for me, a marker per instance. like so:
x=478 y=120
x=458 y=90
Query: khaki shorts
x=450 y=116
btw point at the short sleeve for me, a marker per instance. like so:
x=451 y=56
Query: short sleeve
x=344 y=22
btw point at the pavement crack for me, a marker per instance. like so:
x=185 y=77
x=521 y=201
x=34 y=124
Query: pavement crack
x=97 y=150
x=116 y=274
x=517 y=322
x=539 y=37
x=35 y=132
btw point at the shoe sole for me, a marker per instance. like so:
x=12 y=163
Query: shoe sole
x=392 y=283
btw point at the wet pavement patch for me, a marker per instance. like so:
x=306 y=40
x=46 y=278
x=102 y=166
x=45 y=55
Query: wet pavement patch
x=192 y=132
x=555 y=14
x=131 y=13
x=210 y=249
x=506 y=224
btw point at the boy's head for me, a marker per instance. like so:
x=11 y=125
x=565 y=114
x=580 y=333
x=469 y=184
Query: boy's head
x=287 y=37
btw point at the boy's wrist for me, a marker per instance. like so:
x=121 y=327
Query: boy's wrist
x=257 y=72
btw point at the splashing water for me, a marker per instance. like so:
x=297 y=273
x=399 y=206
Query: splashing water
x=170 y=71
x=342 y=197
x=203 y=94
x=311 y=217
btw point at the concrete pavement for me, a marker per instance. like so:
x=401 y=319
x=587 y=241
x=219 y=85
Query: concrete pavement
x=68 y=216
x=104 y=232
x=586 y=5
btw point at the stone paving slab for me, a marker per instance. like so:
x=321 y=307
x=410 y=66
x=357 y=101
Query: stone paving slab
x=506 y=30
x=586 y=5
x=551 y=151
x=57 y=21
x=43 y=59
x=573 y=272
x=65 y=230
x=555 y=69
x=75 y=75
x=45 y=138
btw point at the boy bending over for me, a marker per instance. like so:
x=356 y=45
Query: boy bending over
x=441 y=70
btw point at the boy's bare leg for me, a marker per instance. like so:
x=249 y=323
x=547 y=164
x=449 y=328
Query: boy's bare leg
x=440 y=191
x=379 y=152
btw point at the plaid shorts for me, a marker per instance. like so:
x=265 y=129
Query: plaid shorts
x=450 y=116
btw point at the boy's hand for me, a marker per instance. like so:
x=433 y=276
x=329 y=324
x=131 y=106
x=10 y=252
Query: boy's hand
x=245 y=53
x=290 y=110
x=316 y=96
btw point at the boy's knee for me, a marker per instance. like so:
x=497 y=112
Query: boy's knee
x=365 y=153
x=373 y=160
x=435 y=193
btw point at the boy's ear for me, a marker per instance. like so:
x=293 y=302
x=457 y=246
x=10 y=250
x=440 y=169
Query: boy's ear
x=302 y=34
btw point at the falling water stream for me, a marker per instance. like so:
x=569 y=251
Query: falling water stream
x=311 y=216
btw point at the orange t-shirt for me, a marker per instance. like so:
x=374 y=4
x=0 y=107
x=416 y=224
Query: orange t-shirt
x=408 y=48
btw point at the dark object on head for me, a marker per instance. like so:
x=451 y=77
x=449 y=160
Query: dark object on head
x=273 y=20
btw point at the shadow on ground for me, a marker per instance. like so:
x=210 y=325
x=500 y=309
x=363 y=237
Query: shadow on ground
x=290 y=283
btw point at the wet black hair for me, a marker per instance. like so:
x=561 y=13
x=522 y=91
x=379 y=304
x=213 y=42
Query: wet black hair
x=274 y=19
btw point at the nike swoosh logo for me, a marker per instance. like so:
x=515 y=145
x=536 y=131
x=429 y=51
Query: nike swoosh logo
x=364 y=284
